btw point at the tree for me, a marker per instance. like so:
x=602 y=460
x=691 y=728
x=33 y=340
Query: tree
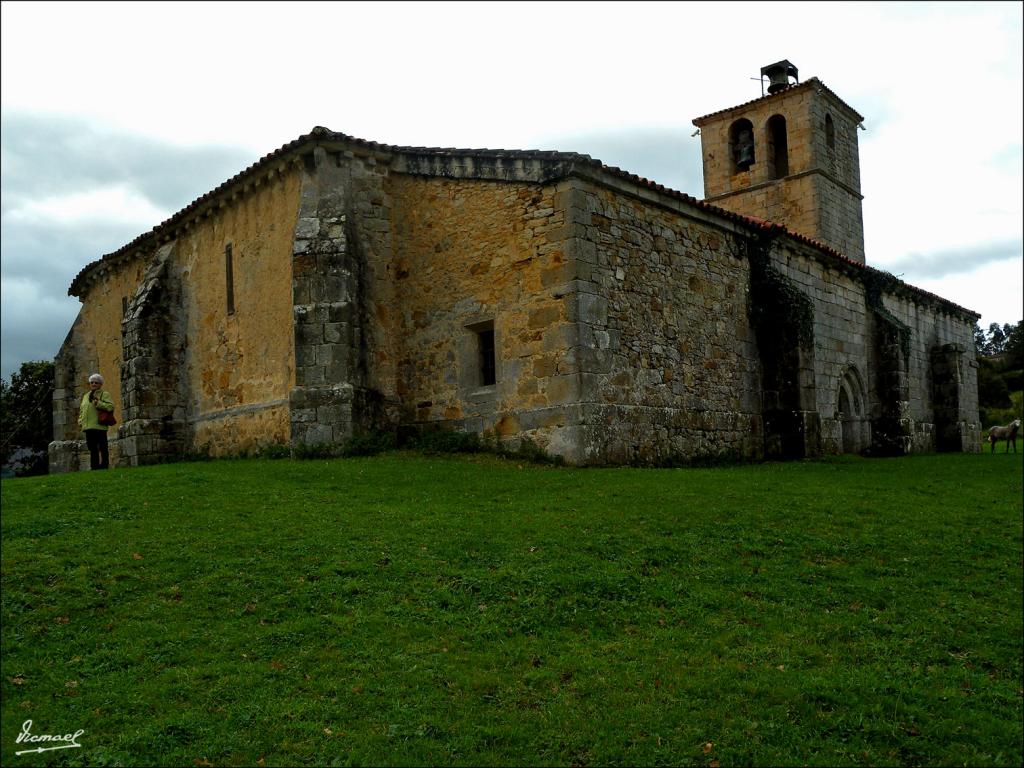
x=979 y=340
x=992 y=389
x=1014 y=348
x=26 y=409
x=996 y=339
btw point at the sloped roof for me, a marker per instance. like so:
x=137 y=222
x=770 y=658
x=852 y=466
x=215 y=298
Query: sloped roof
x=815 y=82
x=320 y=134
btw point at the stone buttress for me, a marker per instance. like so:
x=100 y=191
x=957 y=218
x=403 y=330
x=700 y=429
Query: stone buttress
x=333 y=397
x=152 y=368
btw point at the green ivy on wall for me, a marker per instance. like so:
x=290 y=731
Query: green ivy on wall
x=875 y=283
x=776 y=303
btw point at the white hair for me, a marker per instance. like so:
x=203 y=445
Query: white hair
x=96 y=377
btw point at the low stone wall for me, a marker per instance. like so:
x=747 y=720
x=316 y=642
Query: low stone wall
x=73 y=455
x=68 y=456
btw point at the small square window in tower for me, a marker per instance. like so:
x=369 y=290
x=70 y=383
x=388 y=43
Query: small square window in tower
x=485 y=343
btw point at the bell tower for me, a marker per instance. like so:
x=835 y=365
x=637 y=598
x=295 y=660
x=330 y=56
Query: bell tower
x=789 y=157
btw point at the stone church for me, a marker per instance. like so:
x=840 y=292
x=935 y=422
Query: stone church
x=339 y=286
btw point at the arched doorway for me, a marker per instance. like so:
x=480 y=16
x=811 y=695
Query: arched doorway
x=851 y=412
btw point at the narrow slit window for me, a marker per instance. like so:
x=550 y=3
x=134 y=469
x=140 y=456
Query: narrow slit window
x=487 y=367
x=229 y=277
x=830 y=132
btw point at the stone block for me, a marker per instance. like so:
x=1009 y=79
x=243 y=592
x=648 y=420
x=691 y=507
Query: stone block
x=561 y=390
x=318 y=434
x=334 y=332
x=544 y=316
x=309 y=334
x=591 y=360
x=593 y=309
x=336 y=372
x=339 y=311
x=559 y=337
x=341 y=432
x=330 y=353
x=310 y=376
x=65 y=455
x=586 y=251
x=544 y=367
x=307 y=228
x=333 y=414
x=304 y=355
x=335 y=288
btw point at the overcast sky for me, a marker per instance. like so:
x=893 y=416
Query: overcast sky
x=116 y=116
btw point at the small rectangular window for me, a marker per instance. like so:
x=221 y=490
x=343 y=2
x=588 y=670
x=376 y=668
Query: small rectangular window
x=487 y=367
x=230 y=278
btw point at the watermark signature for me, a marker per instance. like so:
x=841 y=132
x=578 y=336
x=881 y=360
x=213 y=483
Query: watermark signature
x=67 y=741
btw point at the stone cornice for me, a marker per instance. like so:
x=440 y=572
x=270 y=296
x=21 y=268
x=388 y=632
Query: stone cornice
x=770 y=182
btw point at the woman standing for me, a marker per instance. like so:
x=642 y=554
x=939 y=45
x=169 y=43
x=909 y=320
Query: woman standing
x=97 y=399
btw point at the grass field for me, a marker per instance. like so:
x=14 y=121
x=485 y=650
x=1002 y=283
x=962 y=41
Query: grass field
x=470 y=610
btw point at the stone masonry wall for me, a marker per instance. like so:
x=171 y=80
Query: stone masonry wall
x=239 y=366
x=840 y=218
x=93 y=345
x=842 y=160
x=470 y=252
x=668 y=359
x=67 y=393
x=841 y=336
x=850 y=335
x=67 y=450
x=932 y=328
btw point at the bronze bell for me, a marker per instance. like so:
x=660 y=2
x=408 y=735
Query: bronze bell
x=744 y=150
x=779 y=74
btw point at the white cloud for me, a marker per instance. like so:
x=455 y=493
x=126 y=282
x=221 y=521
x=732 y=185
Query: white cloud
x=994 y=290
x=168 y=116
x=107 y=204
x=34 y=324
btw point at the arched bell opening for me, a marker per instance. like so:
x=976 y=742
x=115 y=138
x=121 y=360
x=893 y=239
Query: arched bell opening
x=741 y=145
x=778 y=147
